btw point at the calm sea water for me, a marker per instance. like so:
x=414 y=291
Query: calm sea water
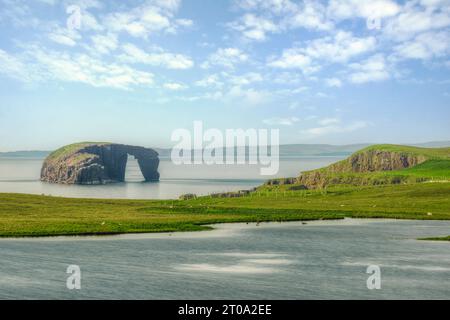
x=319 y=260
x=22 y=176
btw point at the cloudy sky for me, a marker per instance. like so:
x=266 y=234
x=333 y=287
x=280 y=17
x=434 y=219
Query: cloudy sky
x=338 y=71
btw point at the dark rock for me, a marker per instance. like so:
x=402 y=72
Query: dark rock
x=188 y=196
x=281 y=181
x=298 y=187
x=97 y=163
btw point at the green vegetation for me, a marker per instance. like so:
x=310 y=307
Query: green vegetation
x=434 y=161
x=429 y=153
x=30 y=215
x=434 y=169
x=430 y=170
x=70 y=149
x=379 y=165
x=437 y=238
x=394 y=194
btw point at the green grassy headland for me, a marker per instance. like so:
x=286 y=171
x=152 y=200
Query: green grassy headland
x=411 y=198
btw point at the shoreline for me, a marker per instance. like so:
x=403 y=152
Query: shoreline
x=219 y=228
x=31 y=216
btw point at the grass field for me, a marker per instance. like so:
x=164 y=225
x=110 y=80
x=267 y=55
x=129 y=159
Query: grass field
x=437 y=238
x=419 y=192
x=30 y=215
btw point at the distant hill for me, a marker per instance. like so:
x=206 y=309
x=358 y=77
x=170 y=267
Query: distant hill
x=433 y=144
x=25 y=154
x=299 y=150
x=286 y=151
x=321 y=150
x=291 y=150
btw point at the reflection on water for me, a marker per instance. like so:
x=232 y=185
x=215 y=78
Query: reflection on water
x=319 y=260
x=22 y=176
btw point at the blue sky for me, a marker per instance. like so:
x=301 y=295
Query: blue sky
x=338 y=71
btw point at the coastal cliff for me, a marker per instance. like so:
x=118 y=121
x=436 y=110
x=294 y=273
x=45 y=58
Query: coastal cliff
x=97 y=163
x=367 y=167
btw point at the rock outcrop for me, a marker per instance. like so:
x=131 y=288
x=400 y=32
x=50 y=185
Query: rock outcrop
x=97 y=163
x=346 y=171
x=351 y=170
x=377 y=160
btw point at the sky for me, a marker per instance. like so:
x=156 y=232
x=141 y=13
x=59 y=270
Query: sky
x=337 y=71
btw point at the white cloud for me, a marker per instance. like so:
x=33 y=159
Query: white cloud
x=335 y=128
x=226 y=57
x=184 y=22
x=416 y=17
x=221 y=79
x=245 y=79
x=344 y=9
x=328 y=121
x=274 y=16
x=105 y=43
x=146 y=19
x=171 y=5
x=281 y=121
x=322 y=95
x=89 y=22
x=64 y=36
x=340 y=48
x=309 y=15
x=286 y=78
x=18 y=14
x=254 y=27
x=272 y=6
x=86 y=4
x=175 y=86
x=425 y=46
x=215 y=96
x=249 y=96
x=49 y=2
x=13 y=67
x=294 y=59
x=370 y=70
x=299 y=89
x=62 y=39
x=212 y=80
x=333 y=82
x=133 y=54
x=82 y=68
x=41 y=64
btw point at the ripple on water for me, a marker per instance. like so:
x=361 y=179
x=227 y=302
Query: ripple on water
x=248 y=262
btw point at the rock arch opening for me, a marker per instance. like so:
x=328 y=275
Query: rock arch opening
x=117 y=157
x=133 y=172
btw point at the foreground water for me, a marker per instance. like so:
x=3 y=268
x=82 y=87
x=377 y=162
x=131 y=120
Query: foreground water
x=319 y=260
x=22 y=176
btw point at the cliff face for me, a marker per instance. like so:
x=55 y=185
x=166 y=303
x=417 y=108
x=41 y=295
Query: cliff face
x=347 y=171
x=97 y=163
x=361 y=162
x=377 y=160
